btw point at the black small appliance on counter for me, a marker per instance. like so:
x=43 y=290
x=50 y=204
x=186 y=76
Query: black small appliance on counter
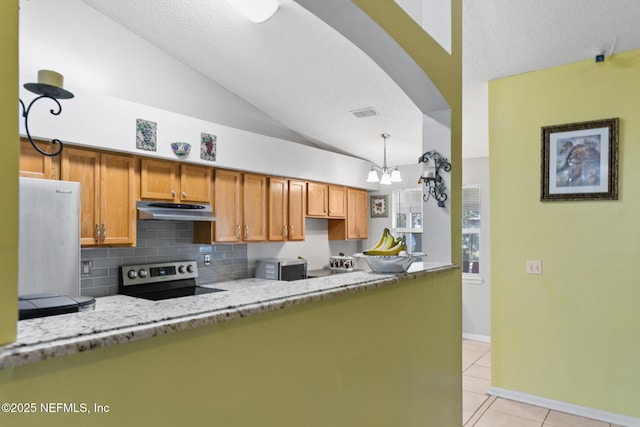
x=42 y=305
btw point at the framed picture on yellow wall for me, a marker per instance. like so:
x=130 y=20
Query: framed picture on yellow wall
x=580 y=161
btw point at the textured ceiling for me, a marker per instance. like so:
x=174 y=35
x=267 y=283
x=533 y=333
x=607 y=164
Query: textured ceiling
x=308 y=77
x=507 y=37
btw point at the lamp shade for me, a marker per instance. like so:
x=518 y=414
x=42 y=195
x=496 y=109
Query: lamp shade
x=373 y=176
x=386 y=179
x=395 y=175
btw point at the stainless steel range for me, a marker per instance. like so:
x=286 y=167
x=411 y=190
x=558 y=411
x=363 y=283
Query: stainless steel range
x=162 y=280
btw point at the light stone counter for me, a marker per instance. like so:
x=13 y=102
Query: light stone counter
x=119 y=319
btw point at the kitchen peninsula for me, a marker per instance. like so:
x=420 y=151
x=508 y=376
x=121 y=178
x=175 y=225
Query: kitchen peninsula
x=263 y=344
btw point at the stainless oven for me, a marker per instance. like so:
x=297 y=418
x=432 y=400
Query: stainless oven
x=281 y=269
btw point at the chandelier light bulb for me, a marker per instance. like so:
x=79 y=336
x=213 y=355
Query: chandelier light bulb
x=395 y=175
x=386 y=178
x=373 y=176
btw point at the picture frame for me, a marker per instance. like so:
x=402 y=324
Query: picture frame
x=146 y=135
x=379 y=206
x=579 y=161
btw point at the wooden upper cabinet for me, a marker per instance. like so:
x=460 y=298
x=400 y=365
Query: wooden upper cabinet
x=35 y=165
x=117 y=200
x=278 y=209
x=195 y=183
x=227 y=206
x=337 y=201
x=317 y=199
x=174 y=182
x=107 y=207
x=254 y=200
x=287 y=206
x=296 y=211
x=357 y=220
x=326 y=201
x=355 y=226
x=84 y=167
x=158 y=180
x=240 y=207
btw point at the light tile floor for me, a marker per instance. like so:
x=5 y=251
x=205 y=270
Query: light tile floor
x=481 y=410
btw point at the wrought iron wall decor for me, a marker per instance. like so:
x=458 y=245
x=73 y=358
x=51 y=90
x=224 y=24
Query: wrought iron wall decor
x=436 y=187
x=49 y=86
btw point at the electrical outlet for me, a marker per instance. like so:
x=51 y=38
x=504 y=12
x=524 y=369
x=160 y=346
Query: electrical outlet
x=207 y=259
x=86 y=268
x=534 y=267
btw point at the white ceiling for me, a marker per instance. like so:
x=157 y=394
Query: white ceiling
x=308 y=77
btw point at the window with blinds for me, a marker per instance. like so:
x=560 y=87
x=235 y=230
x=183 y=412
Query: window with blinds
x=407 y=217
x=471 y=229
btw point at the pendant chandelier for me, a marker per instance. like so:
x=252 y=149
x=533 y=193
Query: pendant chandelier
x=387 y=176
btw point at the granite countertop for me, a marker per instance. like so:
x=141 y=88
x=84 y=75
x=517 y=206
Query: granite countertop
x=119 y=319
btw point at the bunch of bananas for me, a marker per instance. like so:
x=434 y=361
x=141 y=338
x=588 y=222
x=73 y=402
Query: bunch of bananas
x=387 y=245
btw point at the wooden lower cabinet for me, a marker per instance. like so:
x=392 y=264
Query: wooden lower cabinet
x=287 y=201
x=240 y=207
x=107 y=209
x=35 y=165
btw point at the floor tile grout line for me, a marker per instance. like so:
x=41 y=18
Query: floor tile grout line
x=485 y=409
x=476 y=361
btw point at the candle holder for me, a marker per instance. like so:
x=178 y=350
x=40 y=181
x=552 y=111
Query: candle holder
x=432 y=180
x=49 y=86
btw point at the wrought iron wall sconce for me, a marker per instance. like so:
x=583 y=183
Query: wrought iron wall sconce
x=49 y=86
x=432 y=179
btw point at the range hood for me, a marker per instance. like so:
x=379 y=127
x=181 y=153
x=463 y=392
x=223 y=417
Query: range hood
x=174 y=211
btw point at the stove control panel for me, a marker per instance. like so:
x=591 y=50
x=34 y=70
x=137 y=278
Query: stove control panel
x=155 y=273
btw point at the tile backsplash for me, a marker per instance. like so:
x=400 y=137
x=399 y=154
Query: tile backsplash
x=160 y=241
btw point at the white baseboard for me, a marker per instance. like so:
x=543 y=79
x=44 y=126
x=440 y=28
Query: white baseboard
x=557 y=405
x=475 y=337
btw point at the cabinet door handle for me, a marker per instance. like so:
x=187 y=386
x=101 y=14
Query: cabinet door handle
x=292 y=230
x=184 y=194
x=246 y=231
x=104 y=232
x=284 y=230
x=97 y=233
x=173 y=193
x=238 y=232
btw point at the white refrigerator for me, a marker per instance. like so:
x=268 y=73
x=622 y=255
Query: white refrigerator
x=49 y=241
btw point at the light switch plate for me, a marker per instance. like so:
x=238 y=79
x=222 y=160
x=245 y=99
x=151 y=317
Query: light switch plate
x=534 y=267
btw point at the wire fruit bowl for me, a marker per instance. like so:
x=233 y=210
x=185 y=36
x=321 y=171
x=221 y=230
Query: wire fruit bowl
x=389 y=264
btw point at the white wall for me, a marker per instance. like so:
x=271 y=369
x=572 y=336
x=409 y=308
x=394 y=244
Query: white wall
x=97 y=55
x=117 y=77
x=476 y=297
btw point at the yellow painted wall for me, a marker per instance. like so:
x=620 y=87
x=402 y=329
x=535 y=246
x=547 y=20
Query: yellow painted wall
x=384 y=357
x=573 y=333
x=445 y=71
x=9 y=169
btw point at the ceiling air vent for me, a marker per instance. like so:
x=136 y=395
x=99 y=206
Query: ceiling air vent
x=364 y=112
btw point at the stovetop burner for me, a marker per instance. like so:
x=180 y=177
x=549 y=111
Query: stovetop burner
x=162 y=280
x=176 y=293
